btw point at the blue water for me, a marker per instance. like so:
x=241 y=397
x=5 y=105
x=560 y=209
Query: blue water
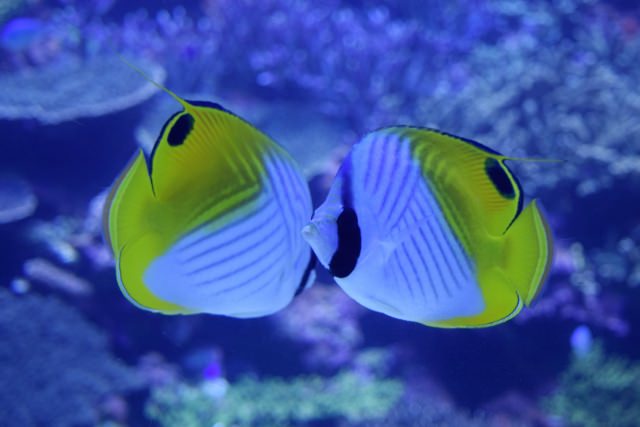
x=544 y=79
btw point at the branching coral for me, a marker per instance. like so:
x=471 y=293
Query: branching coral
x=55 y=366
x=557 y=88
x=598 y=390
x=617 y=264
x=276 y=402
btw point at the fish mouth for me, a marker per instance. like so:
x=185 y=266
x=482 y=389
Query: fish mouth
x=322 y=239
x=309 y=231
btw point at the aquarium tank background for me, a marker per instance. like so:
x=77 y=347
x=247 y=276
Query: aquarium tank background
x=553 y=79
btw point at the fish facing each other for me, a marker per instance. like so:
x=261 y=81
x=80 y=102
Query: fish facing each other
x=429 y=227
x=210 y=220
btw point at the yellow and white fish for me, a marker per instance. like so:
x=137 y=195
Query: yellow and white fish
x=210 y=220
x=429 y=227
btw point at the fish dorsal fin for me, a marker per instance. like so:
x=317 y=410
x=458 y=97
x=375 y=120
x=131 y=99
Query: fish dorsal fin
x=204 y=146
x=472 y=183
x=210 y=158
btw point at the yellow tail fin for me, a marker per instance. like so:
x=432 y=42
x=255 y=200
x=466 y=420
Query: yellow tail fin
x=527 y=252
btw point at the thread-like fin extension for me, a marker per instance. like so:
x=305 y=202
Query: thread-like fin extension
x=182 y=102
x=528 y=252
x=533 y=159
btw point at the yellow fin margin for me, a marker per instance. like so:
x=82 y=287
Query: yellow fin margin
x=528 y=252
x=132 y=262
x=502 y=303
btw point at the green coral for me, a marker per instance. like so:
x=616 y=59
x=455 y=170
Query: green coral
x=276 y=401
x=425 y=412
x=598 y=390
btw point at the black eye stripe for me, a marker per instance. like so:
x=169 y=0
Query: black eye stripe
x=349 y=240
x=349 y=237
x=498 y=176
x=180 y=130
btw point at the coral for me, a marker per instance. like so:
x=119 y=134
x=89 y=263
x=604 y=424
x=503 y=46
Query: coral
x=84 y=88
x=593 y=288
x=425 y=413
x=587 y=286
x=55 y=366
x=58 y=236
x=55 y=277
x=275 y=402
x=325 y=320
x=296 y=50
x=597 y=389
x=617 y=263
x=71 y=240
x=568 y=92
x=302 y=48
x=565 y=301
x=17 y=200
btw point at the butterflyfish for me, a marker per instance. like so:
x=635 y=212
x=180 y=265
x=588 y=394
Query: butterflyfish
x=429 y=227
x=209 y=221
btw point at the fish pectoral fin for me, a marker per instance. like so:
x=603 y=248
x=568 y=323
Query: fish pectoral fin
x=132 y=262
x=527 y=252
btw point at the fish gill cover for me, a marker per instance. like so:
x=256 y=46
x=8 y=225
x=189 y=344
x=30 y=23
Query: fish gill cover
x=551 y=79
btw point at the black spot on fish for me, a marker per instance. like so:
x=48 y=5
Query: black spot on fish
x=349 y=238
x=349 y=244
x=499 y=177
x=149 y=157
x=180 y=130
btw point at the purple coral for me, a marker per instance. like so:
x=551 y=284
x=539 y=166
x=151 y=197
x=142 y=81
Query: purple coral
x=325 y=321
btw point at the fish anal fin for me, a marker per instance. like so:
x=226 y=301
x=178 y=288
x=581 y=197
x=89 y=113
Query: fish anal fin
x=527 y=252
x=132 y=263
x=501 y=303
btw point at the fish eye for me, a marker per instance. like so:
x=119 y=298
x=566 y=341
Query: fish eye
x=180 y=130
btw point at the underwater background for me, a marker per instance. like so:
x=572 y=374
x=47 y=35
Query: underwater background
x=547 y=78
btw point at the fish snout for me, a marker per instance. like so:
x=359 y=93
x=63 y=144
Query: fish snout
x=322 y=236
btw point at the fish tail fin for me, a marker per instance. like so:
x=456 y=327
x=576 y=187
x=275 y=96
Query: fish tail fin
x=527 y=252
